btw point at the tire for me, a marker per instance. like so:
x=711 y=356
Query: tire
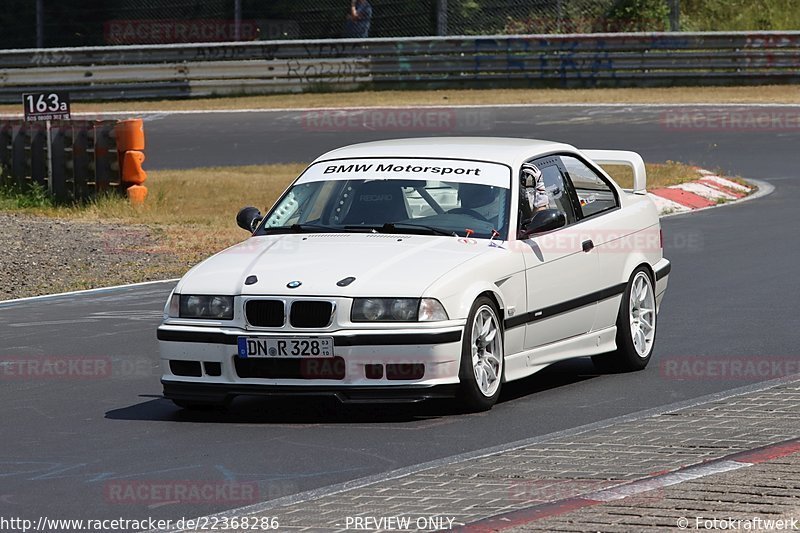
x=482 y=358
x=636 y=326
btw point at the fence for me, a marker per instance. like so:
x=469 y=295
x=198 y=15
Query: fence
x=580 y=60
x=48 y=23
x=86 y=158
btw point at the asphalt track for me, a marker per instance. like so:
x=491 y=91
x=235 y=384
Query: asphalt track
x=68 y=444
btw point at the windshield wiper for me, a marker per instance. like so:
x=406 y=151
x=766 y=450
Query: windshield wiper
x=304 y=228
x=402 y=227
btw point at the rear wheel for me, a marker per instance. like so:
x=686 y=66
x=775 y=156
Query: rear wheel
x=482 y=360
x=636 y=326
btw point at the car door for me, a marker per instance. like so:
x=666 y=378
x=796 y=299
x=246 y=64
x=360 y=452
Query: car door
x=607 y=227
x=560 y=275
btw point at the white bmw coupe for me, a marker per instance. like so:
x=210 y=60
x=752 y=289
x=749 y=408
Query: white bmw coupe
x=411 y=269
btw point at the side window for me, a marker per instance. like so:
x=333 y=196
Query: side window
x=557 y=191
x=594 y=194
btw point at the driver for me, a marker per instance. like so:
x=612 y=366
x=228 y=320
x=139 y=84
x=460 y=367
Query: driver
x=533 y=193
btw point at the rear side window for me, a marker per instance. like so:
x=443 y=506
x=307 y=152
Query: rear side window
x=594 y=193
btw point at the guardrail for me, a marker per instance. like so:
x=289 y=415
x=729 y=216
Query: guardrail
x=580 y=60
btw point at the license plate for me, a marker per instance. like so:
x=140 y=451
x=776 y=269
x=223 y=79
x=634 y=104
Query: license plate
x=287 y=347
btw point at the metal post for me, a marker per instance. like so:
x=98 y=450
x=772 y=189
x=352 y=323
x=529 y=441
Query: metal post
x=237 y=20
x=39 y=23
x=674 y=15
x=441 y=17
x=49 y=161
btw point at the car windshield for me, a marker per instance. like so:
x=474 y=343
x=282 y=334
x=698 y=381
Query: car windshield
x=440 y=200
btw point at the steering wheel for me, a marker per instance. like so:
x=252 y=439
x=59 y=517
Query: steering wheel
x=467 y=211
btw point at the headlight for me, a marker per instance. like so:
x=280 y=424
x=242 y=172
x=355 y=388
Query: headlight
x=396 y=310
x=173 y=309
x=219 y=307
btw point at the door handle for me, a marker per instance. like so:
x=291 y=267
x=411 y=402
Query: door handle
x=587 y=245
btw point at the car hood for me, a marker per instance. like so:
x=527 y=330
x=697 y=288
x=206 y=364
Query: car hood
x=382 y=264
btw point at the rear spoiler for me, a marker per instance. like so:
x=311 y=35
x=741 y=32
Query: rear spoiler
x=622 y=157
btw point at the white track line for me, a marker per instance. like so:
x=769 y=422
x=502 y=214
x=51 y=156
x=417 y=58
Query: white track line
x=7 y=303
x=421 y=106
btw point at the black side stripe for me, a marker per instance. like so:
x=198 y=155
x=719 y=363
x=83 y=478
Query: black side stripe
x=565 y=307
x=195 y=336
x=663 y=271
x=397 y=339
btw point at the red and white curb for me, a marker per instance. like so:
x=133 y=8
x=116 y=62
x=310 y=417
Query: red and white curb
x=708 y=191
x=727 y=463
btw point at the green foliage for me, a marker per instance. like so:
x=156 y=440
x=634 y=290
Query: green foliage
x=26 y=196
x=568 y=16
x=637 y=15
x=740 y=15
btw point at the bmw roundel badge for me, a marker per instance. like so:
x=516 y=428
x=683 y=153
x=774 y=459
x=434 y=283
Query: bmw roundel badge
x=294 y=284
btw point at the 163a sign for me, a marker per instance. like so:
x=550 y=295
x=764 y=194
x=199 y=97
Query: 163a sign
x=52 y=105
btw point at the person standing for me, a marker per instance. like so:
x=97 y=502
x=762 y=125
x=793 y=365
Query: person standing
x=358 y=20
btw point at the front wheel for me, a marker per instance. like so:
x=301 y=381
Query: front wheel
x=636 y=326
x=482 y=360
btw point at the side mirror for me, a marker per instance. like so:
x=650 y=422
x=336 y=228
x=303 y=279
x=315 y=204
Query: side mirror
x=248 y=218
x=542 y=221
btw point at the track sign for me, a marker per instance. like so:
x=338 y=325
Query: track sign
x=52 y=105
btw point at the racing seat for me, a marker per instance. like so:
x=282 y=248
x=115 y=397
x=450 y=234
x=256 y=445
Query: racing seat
x=475 y=195
x=476 y=199
x=377 y=202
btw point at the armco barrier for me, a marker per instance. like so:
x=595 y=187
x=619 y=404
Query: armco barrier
x=580 y=60
x=88 y=157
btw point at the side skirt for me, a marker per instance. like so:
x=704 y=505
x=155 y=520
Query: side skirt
x=522 y=364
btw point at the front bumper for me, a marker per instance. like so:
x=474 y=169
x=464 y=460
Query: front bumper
x=220 y=393
x=216 y=373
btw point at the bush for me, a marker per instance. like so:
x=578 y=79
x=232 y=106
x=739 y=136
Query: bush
x=637 y=15
x=26 y=196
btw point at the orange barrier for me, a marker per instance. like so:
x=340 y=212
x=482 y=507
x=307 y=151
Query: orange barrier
x=132 y=171
x=130 y=143
x=137 y=194
x=130 y=134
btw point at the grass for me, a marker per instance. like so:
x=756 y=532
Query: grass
x=193 y=211
x=29 y=197
x=771 y=94
x=658 y=175
x=739 y=15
